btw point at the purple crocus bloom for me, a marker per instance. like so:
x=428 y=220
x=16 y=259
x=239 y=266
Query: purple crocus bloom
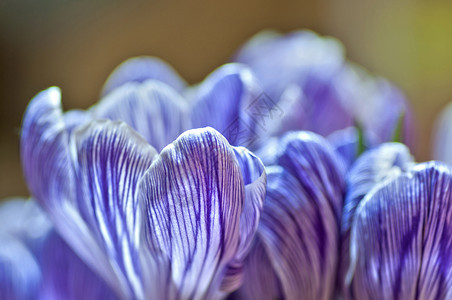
x=149 y=202
x=172 y=225
x=308 y=77
x=400 y=241
x=295 y=254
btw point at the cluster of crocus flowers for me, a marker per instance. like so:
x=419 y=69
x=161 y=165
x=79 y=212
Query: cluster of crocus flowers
x=253 y=184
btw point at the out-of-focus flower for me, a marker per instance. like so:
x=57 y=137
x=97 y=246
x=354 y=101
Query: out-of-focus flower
x=443 y=136
x=35 y=263
x=169 y=226
x=22 y=232
x=309 y=78
x=295 y=254
x=401 y=241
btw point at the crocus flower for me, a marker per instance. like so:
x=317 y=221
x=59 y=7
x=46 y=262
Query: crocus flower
x=400 y=241
x=172 y=225
x=151 y=195
x=295 y=254
x=309 y=79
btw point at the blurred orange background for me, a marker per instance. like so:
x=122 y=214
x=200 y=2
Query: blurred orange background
x=76 y=44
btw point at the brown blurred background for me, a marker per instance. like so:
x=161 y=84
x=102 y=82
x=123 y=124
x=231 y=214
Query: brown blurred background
x=76 y=44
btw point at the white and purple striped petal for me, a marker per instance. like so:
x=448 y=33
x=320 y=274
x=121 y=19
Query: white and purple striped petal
x=195 y=198
x=401 y=239
x=110 y=160
x=255 y=180
x=370 y=170
x=86 y=182
x=140 y=69
x=153 y=108
x=299 y=228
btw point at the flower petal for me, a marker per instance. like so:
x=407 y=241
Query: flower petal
x=140 y=69
x=53 y=172
x=226 y=101
x=193 y=197
x=371 y=169
x=443 y=136
x=66 y=276
x=152 y=108
x=20 y=275
x=401 y=239
x=110 y=160
x=44 y=140
x=23 y=228
x=260 y=280
x=294 y=57
x=24 y=220
x=255 y=180
x=75 y=118
x=377 y=104
x=300 y=232
x=299 y=227
x=311 y=159
x=345 y=142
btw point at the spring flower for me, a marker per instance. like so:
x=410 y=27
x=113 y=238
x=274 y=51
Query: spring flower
x=152 y=192
x=171 y=225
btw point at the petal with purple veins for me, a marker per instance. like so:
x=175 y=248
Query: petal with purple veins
x=401 y=240
x=194 y=195
x=110 y=160
x=312 y=160
x=95 y=228
x=255 y=180
x=299 y=227
x=371 y=169
x=152 y=108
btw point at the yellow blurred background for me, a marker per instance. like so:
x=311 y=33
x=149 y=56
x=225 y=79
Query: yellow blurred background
x=76 y=44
